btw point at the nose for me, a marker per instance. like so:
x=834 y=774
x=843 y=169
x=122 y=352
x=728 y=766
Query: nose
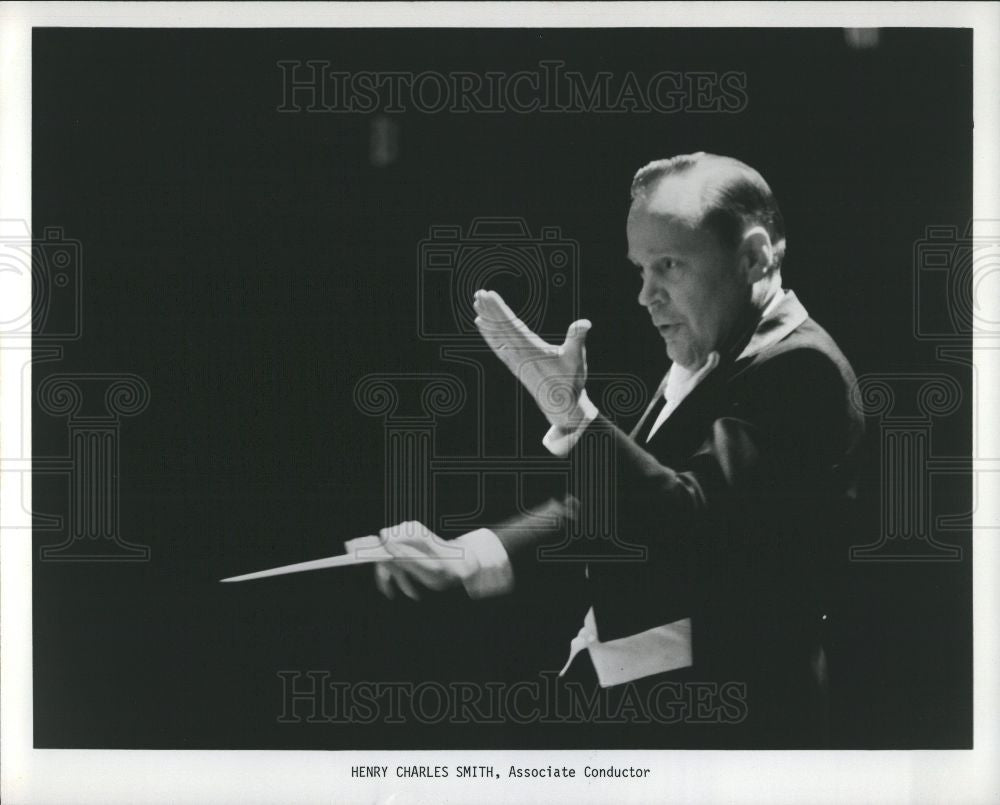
x=648 y=293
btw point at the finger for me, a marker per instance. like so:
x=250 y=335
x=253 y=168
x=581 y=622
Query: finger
x=510 y=318
x=359 y=543
x=493 y=301
x=496 y=340
x=491 y=327
x=415 y=564
x=393 y=535
x=512 y=346
x=578 y=330
x=576 y=337
x=383 y=580
x=390 y=532
x=409 y=548
x=496 y=313
x=409 y=531
x=361 y=547
x=416 y=532
x=404 y=583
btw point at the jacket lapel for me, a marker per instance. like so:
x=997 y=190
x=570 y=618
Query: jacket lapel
x=703 y=402
x=634 y=433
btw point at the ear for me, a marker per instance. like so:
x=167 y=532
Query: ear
x=757 y=254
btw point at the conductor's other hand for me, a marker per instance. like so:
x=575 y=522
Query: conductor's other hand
x=421 y=561
x=553 y=375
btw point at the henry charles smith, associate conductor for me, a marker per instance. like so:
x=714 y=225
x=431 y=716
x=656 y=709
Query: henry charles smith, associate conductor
x=733 y=481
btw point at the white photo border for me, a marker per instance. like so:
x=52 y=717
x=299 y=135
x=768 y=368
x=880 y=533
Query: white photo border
x=159 y=776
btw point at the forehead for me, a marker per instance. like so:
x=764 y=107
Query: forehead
x=667 y=219
x=677 y=195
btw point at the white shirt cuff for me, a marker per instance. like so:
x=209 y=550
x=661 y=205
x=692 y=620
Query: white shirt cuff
x=489 y=569
x=559 y=441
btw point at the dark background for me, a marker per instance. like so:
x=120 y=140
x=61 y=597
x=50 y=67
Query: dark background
x=252 y=266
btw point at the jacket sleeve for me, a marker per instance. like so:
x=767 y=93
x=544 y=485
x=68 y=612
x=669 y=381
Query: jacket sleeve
x=783 y=432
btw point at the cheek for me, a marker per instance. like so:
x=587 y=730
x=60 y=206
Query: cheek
x=683 y=297
x=700 y=307
x=711 y=304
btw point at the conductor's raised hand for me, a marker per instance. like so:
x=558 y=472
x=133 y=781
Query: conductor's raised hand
x=554 y=375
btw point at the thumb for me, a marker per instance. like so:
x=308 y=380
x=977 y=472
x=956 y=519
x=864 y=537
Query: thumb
x=576 y=335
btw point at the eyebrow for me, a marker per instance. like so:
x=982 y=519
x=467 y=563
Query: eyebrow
x=671 y=255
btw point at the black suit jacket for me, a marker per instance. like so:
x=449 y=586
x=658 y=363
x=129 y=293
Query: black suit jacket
x=735 y=499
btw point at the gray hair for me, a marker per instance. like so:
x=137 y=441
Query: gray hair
x=736 y=199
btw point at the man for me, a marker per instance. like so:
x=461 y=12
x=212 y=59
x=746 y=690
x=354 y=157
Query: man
x=733 y=481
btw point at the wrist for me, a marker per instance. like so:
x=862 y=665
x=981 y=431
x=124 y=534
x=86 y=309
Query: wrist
x=581 y=414
x=487 y=570
x=571 y=421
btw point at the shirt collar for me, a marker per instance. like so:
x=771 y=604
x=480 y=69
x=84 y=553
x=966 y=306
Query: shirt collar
x=782 y=315
x=680 y=380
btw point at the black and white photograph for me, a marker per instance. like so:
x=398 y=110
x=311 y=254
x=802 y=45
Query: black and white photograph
x=429 y=402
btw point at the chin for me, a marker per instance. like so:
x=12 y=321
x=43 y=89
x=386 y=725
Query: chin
x=678 y=354
x=684 y=355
